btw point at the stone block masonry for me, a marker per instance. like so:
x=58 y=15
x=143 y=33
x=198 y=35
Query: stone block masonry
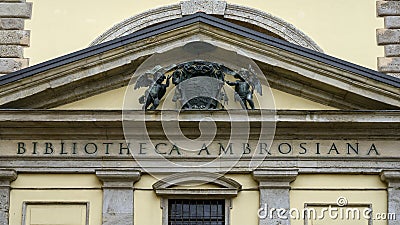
x=389 y=36
x=13 y=37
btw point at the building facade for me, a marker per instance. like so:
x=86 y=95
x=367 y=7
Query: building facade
x=153 y=123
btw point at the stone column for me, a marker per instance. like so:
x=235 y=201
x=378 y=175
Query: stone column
x=392 y=177
x=118 y=195
x=274 y=185
x=6 y=176
x=389 y=37
x=13 y=37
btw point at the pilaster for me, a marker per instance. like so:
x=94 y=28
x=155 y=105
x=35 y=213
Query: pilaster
x=392 y=177
x=6 y=177
x=118 y=195
x=274 y=186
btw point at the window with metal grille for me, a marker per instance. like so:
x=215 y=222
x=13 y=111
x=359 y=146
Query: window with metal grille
x=196 y=212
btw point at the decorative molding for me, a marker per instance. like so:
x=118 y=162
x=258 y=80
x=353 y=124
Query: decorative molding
x=275 y=178
x=140 y=21
x=118 y=178
x=213 y=7
x=392 y=177
x=194 y=177
x=227 y=187
x=7 y=176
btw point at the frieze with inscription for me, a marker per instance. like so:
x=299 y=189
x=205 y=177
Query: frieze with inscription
x=279 y=148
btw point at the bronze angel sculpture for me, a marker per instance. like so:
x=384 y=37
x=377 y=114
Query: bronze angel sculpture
x=153 y=79
x=245 y=85
x=199 y=85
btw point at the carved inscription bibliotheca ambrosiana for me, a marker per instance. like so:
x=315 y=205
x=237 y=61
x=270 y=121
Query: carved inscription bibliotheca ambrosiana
x=279 y=148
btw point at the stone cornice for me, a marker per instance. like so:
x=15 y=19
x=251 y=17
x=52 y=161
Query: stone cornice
x=98 y=116
x=56 y=124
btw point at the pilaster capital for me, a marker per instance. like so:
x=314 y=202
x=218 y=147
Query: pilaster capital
x=392 y=177
x=118 y=178
x=275 y=178
x=6 y=177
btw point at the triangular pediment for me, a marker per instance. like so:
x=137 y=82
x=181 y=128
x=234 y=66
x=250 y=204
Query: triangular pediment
x=289 y=68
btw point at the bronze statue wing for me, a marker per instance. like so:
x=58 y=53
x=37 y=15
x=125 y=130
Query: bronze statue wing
x=144 y=80
x=254 y=81
x=227 y=71
x=149 y=77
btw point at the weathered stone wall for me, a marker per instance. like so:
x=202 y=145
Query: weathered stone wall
x=13 y=37
x=389 y=37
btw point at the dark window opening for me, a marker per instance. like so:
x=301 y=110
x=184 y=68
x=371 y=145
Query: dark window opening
x=196 y=212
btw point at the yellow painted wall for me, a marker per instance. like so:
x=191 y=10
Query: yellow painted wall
x=324 y=190
x=114 y=99
x=246 y=204
x=343 y=28
x=51 y=198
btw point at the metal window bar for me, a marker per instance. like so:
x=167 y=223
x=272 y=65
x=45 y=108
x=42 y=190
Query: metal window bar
x=196 y=212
